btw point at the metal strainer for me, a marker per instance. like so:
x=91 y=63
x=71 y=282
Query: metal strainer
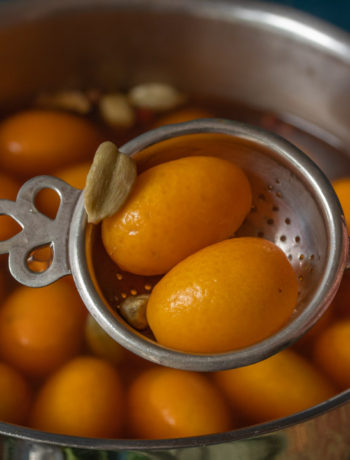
x=294 y=206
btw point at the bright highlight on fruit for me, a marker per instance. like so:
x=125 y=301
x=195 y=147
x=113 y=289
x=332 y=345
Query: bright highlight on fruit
x=175 y=209
x=217 y=294
x=227 y=296
x=277 y=387
x=155 y=410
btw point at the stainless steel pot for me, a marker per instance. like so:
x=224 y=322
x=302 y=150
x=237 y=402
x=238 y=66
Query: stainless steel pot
x=269 y=57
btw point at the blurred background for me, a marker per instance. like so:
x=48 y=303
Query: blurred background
x=335 y=11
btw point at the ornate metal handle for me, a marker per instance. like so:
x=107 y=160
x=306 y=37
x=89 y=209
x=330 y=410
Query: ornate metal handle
x=39 y=230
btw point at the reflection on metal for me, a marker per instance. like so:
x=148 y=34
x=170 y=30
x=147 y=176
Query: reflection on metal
x=309 y=226
x=268 y=67
x=39 y=230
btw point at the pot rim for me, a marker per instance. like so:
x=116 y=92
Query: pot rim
x=288 y=21
x=253 y=431
x=296 y=25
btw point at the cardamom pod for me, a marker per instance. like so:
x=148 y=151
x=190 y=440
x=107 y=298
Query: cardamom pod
x=133 y=310
x=109 y=182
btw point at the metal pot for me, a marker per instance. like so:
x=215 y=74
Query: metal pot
x=266 y=56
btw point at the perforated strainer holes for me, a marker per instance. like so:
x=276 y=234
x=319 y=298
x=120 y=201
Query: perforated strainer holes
x=129 y=285
x=125 y=281
x=275 y=188
x=272 y=218
x=265 y=216
x=40 y=259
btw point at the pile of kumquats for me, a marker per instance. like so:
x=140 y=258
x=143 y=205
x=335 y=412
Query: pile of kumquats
x=60 y=372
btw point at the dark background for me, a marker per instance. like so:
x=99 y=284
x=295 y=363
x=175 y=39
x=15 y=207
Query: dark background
x=336 y=12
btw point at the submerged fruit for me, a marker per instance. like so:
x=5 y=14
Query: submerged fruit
x=37 y=141
x=174 y=210
x=83 y=398
x=15 y=395
x=168 y=403
x=8 y=191
x=276 y=387
x=101 y=344
x=40 y=329
x=226 y=296
x=331 y=351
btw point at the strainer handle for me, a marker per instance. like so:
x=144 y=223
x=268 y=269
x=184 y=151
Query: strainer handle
x=38 y=230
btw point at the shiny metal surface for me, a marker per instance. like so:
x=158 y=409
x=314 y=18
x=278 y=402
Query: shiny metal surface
x=39 y=230
x=270 y=57
x=314 y=238
x=307 y=223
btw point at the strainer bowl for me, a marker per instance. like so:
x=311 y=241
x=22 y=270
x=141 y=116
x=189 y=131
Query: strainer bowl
x=294 y=206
